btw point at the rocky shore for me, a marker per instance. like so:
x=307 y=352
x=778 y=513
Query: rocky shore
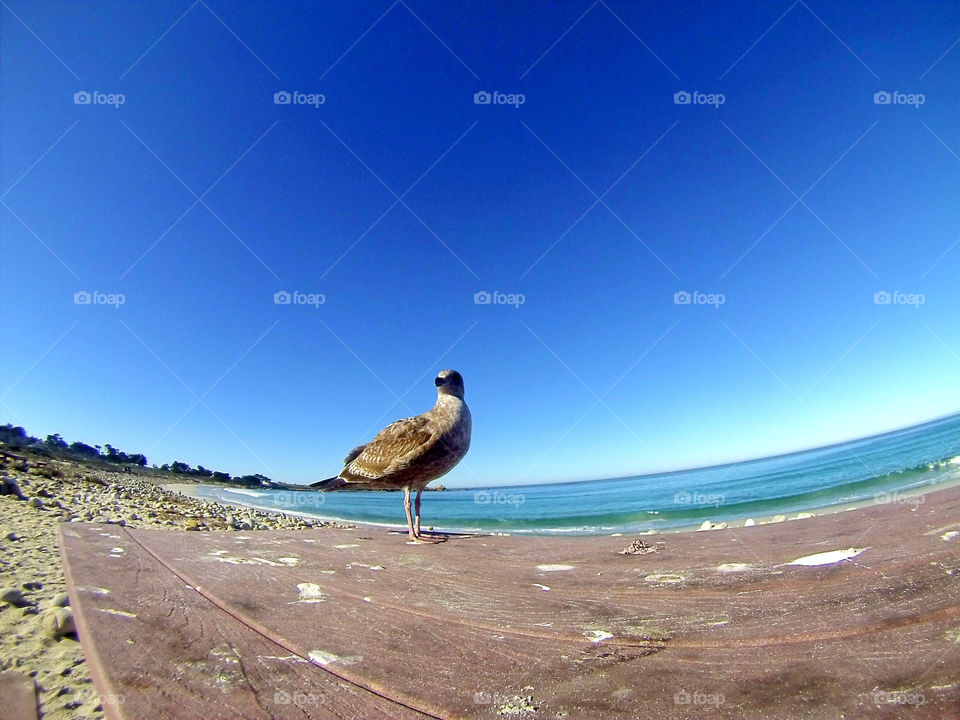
x=37 y=634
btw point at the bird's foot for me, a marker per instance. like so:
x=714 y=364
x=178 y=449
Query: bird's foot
x=425 y=540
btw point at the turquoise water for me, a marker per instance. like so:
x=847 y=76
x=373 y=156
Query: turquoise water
x=884 y=468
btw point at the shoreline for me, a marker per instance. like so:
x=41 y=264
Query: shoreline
x=902 y=497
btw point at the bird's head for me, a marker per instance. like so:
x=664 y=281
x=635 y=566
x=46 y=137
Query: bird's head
x=449 y=382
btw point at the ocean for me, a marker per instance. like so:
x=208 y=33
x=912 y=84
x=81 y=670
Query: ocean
x=893 y=467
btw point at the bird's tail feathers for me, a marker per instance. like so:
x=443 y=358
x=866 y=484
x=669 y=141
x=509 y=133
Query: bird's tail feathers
x=329 y=484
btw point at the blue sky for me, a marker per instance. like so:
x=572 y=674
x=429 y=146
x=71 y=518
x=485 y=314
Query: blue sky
x=782 y=199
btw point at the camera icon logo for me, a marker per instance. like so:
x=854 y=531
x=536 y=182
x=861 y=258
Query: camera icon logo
x=882 y=297
x=481 y=98
x=681 y=298
x=81 y=98
x=81 y=297
x=881 y=98
x=481 y=298
x=281 y=697
x=681 y=98
x=281 y=297
x=281 y=98
x=682 y=698
x=481 y=497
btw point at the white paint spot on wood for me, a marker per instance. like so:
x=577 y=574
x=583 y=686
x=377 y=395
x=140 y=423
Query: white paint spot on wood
x=282 y=658
x=324 y=658
x=117 y=550
x=310 y=593
x=948 y=536
x=827 y=558
x=93 y=590
x=545 y=588
x=665 y=578
x=344 y=547
x=121 y=613
x=554 y=568
x=733 y=567
x=596 y=636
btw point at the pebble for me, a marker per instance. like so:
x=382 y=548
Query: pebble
x=60 y=600
x=35 y=502
x=32 y=585
x=13 y=596
x=246 y=526
x=12 y=536
x=58 y=622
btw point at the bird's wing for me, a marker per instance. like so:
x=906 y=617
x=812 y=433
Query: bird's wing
x=353 y=454
x=395 y=445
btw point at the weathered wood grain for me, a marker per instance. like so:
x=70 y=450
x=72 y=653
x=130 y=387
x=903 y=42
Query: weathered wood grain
x=716 y=623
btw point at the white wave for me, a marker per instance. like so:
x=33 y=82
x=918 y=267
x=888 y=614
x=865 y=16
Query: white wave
x=253 y=493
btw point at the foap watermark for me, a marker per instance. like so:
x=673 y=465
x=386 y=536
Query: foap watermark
x=698 y=98
x=282 y=697
x=483 y=297
x=698 y=498
x=899 y=697
x=498 y=98
x=299 y=498
x=113 y=699
x=84 y=297
x=899 y=498
x=896 y=97
x=699 y=698
x=682 y=297
x=282 y=297
x=298 y=98
x=882 y=297
x=82 y=97
x=485 y=497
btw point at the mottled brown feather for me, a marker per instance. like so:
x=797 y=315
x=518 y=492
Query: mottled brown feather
x=391 y=449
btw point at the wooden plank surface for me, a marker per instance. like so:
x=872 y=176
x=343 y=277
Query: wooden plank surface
x=716 y=623
x=18 y=696
x=159 y=649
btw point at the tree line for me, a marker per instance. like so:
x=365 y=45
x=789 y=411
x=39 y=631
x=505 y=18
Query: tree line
x=16 y=438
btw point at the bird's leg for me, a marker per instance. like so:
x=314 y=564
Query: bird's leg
x=406 y=506
x=416 y=523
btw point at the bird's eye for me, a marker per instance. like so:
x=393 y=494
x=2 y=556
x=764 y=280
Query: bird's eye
x=439 y=381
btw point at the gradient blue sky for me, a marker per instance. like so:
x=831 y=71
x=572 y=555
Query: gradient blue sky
x=598 y=199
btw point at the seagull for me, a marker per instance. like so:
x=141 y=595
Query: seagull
x=412 y=452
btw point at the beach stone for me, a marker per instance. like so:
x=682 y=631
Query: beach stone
x=9 y=486
x=719 y=526
x=100 y=518
x=778 y=518
x=749 y=522
x=33 y=584
x=230 y=520
x=192 y=525
x=706 y=525
x=246 y=526
x=60 y=600
x=35 y=502
x=58 y=622
x=13 y=596
x=12 y=536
